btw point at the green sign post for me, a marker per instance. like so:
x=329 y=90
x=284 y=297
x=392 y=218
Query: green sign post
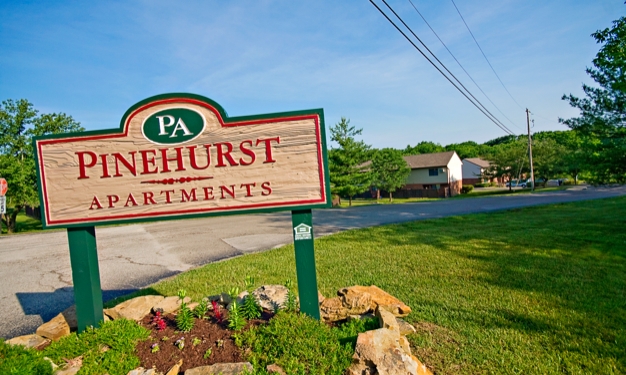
x=178 y=156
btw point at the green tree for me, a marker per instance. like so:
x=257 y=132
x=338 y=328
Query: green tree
x=19 y=122
x=390 y=170
x=348 y=175
x=603 y=112
x=508 y=160
x=424 y=147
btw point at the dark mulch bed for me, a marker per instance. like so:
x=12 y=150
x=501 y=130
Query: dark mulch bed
x=209 y=334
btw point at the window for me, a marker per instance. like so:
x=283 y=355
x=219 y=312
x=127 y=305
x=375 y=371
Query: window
x=433 y=172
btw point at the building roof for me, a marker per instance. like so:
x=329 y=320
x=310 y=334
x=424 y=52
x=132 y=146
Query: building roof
x=438 y=159
x=479 y=162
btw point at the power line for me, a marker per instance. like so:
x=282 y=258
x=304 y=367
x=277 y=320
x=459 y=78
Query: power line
x=485 y=56
x=458 y=62
x=494 y=119
x=443 y=65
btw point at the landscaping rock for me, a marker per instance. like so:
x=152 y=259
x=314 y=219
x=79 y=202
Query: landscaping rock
x=192 y=305
x=134 y=309
x=378 y=298
x=271 y=296
x=54 y=329
x=387 y=320
x=222 y=369
x=68 y=371
x=143 y=371
x=405 y=328
x=357 y=302
x=275 y=369
x=320 y=297
x=223 y=299
x=54 y=366
x=169 y=304
x=175 y=369
x=333 y=310
x=70 y=317
x=29 y=341
x=381 y=352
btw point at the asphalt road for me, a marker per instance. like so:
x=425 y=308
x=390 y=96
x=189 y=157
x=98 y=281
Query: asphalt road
x=35 y=273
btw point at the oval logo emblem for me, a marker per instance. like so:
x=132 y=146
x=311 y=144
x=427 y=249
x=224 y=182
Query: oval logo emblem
x=173 y=126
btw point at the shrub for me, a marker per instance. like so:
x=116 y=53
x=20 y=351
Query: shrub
x=17 y=360
x=300 y=345
x=120 y=336
x=467 y=189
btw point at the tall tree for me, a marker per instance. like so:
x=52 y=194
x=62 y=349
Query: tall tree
x=603 y=112
x=390 y=170
x=508 y=160
x=348 y=175
x=19 y=122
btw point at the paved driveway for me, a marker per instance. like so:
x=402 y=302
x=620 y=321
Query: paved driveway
x=35 y=273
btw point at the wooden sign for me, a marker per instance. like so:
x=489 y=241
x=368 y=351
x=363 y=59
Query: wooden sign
x=180 y=155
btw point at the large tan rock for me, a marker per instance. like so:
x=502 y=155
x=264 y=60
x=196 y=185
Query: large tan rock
x=169 y=304
x=333 y=310
x=271 y=297
x=378 y=298
x=405 y=327
x=357 y=302
x=143 y=371
x=175 y=369
x=222 y=369
x=29 y=341
x=387 y=320
x=54 y=329
x=134 y=309
x=381 y=352
x=70 y=317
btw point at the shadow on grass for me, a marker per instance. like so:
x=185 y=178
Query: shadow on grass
x=576 y=255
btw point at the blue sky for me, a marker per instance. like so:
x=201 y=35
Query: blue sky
x=93 y=60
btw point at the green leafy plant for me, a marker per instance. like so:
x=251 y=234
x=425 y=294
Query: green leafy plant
x=297 y=343
x=248 y=282
x=120 y=335
x=180 y=343
x=201 y=310
x=17 y=360
x=250 y=308
x=291 y=302
x=164 y=338
x=196 y=341
x=207 y=354
x=154 y=348
x=235 y=319
x=185 y=319
x=233 y=292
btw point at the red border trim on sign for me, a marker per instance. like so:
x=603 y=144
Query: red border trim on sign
x=315 y=117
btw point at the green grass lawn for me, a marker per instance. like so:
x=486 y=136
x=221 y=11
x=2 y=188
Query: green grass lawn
x=24 y=223
x=473 y=194
x=540 y=290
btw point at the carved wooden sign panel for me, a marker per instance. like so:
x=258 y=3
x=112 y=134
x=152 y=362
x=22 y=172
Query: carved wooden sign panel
x=179 y=155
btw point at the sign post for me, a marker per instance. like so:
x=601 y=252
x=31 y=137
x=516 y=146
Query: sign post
x=86 y=276
x=4 y=187
x=178 y=156
x=305 y=262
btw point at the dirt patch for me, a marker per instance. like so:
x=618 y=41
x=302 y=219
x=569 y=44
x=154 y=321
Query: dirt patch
x=206 y=334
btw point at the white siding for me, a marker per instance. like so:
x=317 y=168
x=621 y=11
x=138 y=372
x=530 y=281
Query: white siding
x=455 y=166
x=471 y=170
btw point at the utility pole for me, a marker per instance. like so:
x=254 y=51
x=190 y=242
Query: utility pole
x=530 y=152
